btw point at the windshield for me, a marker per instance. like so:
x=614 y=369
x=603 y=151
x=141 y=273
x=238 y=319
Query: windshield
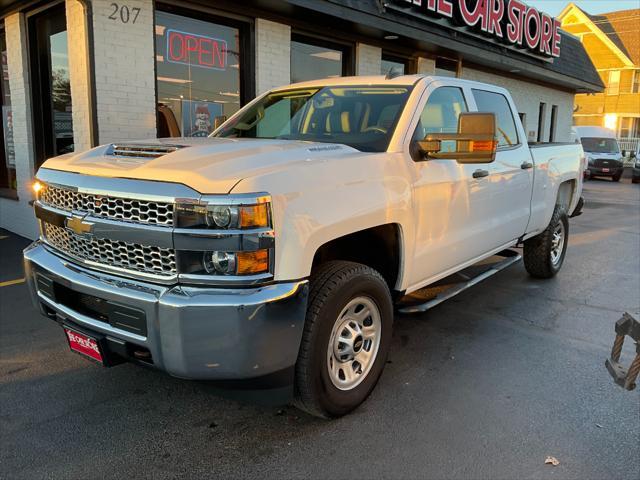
x=361 y=117
x=600 y=145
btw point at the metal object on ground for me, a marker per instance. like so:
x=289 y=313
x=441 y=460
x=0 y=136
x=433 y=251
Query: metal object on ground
x=626 y=378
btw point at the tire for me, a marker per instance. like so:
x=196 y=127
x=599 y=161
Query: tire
x=335 y=286
x=635 y=180
x=543 y=258
x=616 y=177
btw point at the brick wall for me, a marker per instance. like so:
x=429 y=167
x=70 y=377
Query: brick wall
x=273 y=52
x=426 y=66
x=527 y=97
x=368 y=59
x=17 y=216
x=125 y=72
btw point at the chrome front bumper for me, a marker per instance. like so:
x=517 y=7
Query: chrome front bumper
x=192 y=332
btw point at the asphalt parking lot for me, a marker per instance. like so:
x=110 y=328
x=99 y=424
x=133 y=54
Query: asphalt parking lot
x=486 y=385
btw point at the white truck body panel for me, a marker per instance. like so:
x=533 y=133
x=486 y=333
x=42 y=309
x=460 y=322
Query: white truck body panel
x=321 y=191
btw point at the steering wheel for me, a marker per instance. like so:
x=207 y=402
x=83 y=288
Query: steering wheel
x=376 y=129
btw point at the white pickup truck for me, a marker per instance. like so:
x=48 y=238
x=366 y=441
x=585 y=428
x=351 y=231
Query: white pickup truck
x=277 y=248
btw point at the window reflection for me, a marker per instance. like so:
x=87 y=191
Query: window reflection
x=61 y=93
x=310 y=61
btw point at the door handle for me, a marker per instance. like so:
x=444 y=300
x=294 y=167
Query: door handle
x=480 y=173
x=526 y=166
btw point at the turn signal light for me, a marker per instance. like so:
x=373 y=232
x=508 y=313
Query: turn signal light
x=483 y=146
x=248 y=263
x=37 y=187
x=254 y=216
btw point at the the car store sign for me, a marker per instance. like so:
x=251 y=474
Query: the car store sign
x=509 y=21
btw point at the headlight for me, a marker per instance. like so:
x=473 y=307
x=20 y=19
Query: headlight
x=236 y=263
x=590 y=160
x=226 y=217
x=225 y=236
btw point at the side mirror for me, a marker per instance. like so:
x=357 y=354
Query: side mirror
x=475 y=141
x=219 y=120
x=624 y=153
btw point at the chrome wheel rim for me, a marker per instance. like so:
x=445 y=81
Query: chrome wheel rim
x=557 y=243
x=354 y=343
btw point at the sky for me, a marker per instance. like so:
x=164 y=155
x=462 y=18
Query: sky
x=554 y=7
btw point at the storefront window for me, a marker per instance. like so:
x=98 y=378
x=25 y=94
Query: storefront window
x=311 y=60
x=389 y=63
x=52 y=89
x=198 y=74
x=7 y=150
x=445 y=67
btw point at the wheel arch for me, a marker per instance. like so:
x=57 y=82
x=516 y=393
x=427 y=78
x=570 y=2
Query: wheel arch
x=379 y=247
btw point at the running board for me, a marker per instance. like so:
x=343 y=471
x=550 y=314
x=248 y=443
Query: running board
x=457 y=283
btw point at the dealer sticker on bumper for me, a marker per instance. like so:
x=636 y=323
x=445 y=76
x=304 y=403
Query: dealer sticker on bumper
x=83 y=344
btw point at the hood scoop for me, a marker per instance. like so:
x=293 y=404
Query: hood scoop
x=135 y=153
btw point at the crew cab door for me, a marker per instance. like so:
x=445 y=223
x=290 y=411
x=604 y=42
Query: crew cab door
x=450 y=200
x=464 y=211
x=511 y=174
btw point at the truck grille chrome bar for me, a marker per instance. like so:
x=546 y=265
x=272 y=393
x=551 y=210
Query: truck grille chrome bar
x=113 y=208
x=112 y=253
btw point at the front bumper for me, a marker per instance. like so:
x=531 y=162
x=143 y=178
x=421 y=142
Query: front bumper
x=191 y=332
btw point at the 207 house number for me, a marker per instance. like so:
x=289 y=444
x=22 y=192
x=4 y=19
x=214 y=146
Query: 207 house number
x=124 y=13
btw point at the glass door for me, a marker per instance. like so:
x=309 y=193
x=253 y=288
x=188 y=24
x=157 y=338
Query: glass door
x=53 y=124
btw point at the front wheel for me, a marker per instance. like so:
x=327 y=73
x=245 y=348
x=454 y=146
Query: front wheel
x=617 y=177
x=544 y=254
x=346 y=338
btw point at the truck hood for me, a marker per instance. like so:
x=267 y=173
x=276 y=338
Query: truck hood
x=208 y=165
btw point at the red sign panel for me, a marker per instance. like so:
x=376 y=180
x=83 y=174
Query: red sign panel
x=510 y=21
x=196 y=50
x=83 y=344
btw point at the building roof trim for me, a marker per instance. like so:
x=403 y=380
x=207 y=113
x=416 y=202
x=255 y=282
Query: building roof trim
x=572 y=8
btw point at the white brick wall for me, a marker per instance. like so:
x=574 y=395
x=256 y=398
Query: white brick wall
x=125 y=72
x=368 y=59
x=426 y=66
x=78 y=75
x=17 y=216
x=527 y=97
x=273 y=55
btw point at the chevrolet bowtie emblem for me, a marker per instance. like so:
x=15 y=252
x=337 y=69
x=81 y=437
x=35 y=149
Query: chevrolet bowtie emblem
x=78 y=225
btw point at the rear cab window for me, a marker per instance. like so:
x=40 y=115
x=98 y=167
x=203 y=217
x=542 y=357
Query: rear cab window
x=497 y=103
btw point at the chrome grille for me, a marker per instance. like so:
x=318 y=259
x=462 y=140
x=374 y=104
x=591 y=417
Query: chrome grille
x=113 y=253
x=113 y=208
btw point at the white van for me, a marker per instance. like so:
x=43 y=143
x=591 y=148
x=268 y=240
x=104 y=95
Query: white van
x=601 y=150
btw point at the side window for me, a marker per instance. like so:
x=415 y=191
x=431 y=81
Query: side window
x=498 y=104
x=440 y=114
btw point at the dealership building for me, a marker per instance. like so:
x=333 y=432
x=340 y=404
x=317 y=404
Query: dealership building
x=79 y=73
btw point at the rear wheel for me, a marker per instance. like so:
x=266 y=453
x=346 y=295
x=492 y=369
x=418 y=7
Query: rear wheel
x=346 y=338
x=544 y=254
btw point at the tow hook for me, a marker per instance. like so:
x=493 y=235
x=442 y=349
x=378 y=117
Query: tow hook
x=626 y=378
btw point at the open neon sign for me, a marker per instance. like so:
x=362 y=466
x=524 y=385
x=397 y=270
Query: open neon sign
x=510 y=21
x=196 y=50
